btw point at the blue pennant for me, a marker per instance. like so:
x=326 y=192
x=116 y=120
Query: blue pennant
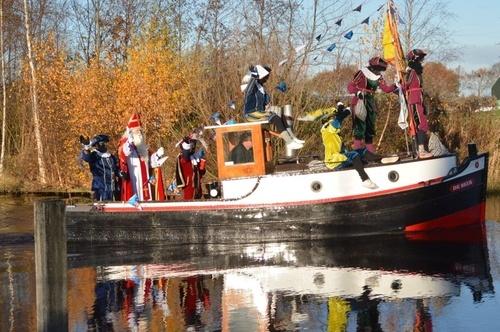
x=134 y=200
x=401 y=20
x=366 y=20
x=357 y=9
x=331 y=47
x=339 y=22
x=282 y=86
x=349 y=35
x=318 y=37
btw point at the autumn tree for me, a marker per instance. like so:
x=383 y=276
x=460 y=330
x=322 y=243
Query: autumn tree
x=440 y=82
x=34 y=100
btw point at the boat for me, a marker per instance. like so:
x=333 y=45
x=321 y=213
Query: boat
x=262 y=201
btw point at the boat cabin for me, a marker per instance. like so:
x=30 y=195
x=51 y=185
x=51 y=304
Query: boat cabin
x=243 y=149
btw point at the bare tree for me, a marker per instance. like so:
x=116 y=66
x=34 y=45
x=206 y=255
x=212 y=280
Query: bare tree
x=423 y=25
x=479 y=82
x=34 y=102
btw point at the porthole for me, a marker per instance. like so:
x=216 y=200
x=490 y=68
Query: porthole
x=393 y=176
x=316 y=186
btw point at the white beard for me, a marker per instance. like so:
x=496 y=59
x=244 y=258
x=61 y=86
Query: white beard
x=139 y=141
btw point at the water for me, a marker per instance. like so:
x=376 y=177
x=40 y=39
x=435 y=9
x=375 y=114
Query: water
x=376 y=283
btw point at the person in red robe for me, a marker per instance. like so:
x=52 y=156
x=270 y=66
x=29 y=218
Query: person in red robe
x=415 y=99
x=190 y=169
x=135 y=163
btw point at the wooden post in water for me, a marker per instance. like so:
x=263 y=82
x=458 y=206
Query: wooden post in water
x=50 y=265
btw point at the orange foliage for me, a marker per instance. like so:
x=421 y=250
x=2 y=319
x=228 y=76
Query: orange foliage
x=88 y=100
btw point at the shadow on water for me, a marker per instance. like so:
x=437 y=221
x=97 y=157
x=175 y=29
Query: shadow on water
x=318 y=285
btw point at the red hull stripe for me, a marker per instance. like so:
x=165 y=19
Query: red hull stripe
x=190 y=207
x=464 y=217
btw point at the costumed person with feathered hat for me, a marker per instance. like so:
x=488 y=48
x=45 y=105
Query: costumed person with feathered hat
x=135 y=161
x=103 y=166
x=190 y=168
x=364 y=85
x=256 y=100
x=415 y=99
x=336 y=154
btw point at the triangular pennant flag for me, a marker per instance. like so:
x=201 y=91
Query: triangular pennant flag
x=231 y=104
x=315 y=58
x=381 y=6
x=400 y=19
x=339 y=22
x=331 y=47
x=357 y=9
x=349 y=35
x=318 y=37
x=366 y=20
x=134 y=201
x=282 y=86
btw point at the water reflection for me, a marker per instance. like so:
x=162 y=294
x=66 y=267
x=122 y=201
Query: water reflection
x=378 y=284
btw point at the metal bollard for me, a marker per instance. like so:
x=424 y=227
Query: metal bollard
x=288 y=117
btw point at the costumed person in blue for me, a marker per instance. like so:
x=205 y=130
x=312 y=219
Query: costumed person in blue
x=338 y=157
x=103 y=165
x=257 y=100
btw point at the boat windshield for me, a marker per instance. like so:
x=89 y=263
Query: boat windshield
x=238 y=147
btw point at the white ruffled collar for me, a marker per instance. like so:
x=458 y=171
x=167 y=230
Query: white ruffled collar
x=369 y=74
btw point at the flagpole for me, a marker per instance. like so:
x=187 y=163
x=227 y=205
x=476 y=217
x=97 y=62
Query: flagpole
x=399 y=63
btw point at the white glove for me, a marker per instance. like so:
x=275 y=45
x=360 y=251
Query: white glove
x=160 y=152
x=194 y=162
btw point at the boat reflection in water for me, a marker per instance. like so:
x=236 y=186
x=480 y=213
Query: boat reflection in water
x=380 y=283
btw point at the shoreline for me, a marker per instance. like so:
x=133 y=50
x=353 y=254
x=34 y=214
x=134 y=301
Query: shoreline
x=493 y=190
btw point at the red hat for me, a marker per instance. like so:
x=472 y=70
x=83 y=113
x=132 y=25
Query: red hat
x=416 y=54
x=134 y=122
x=378 y=62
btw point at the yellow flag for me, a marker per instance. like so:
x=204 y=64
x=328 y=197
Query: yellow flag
x=388 y=41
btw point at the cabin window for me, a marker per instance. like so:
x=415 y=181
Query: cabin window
x=238 y=148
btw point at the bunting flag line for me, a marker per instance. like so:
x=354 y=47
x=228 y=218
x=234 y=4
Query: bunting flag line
x=349 y=35
x=331 y=47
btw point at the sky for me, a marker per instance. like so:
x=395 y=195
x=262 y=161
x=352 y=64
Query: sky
x=476 y=30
